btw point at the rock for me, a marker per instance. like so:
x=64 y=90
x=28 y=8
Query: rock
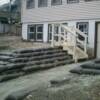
x=60 y=81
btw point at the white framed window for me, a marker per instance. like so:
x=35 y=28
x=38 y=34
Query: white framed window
x=39 y=32
x=42 y=3
x=31 y=32
x=72 y=1
x=84 y=27
x=56 y=2
x=30 y=4
x=90 y=0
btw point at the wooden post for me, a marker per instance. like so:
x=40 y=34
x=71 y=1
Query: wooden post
x=59 y=34
x=85 y=45
x=52 y=42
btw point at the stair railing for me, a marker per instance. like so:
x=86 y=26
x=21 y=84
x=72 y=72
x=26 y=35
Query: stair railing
x=63 y=38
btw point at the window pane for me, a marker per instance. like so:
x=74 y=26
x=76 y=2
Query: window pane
x=56 y=2
x=31 y=28
x=72 y=1
x=40 y=28
x=40 y=36
x=83 y=26
x=42 y=3
x=30 y=4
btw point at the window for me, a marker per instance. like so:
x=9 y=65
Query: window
x=56 y=2
x=42 y=3
x=84 y=27
x=31 y=32
x=72 y=1
x=90 y=0
x=30 y=4
x=39 y=32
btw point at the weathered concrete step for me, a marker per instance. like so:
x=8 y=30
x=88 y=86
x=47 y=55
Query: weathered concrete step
x=16 y=60
x=35 y=50
x=11 y=71
x=6 y=54
x=91 y=66
x=45 y=61
x=39 y=53
x=5 y=58
x=10 y=76
x=97 y=61
x=3 y=69
x=3 y=63
x=85 y=71
x=16 y=66
x=33 y=68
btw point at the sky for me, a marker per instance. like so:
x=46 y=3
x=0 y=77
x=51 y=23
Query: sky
x=3 y=1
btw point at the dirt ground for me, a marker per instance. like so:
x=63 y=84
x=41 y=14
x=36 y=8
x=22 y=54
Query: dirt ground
x=77 y=88
x=9 y=43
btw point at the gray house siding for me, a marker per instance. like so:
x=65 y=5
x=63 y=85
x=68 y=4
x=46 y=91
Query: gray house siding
x=68 y=12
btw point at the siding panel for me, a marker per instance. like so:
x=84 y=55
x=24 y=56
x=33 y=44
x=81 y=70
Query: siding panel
x=77 y=11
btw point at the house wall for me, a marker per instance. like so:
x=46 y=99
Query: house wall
x=91 y=32
x=24 y=31
x=69 y=12
x=4 y=28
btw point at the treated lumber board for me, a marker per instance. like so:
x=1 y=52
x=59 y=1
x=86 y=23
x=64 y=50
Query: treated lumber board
x=85 y=71
x=91 y=66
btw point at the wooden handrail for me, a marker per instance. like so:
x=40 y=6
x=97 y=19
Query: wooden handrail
x=73 y=35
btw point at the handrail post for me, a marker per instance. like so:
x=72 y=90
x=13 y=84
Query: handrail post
x=85 y=45
x=52 y=42
x=75 y=45
x=59 y=35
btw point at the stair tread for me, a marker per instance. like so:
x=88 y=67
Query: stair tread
x=38 y=53
x=36 y=57
x=33 y=50
x=48 y=65
x=85 y=71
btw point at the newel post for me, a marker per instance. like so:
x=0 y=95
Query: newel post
x=52 y=42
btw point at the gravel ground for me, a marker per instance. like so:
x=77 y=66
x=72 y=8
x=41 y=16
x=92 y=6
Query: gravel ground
x=77 y=88
x=35 y=80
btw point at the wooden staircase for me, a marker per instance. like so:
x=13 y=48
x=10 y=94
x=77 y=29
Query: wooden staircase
x=70 y=41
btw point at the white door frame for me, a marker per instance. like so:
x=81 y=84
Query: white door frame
x=96 y=40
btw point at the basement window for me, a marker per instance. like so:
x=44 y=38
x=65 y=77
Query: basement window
x=72 y=1
x=42 y=3
x=30 y=4
x=56 y=2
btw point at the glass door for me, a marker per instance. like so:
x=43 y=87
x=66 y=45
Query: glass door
x=39 y=32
